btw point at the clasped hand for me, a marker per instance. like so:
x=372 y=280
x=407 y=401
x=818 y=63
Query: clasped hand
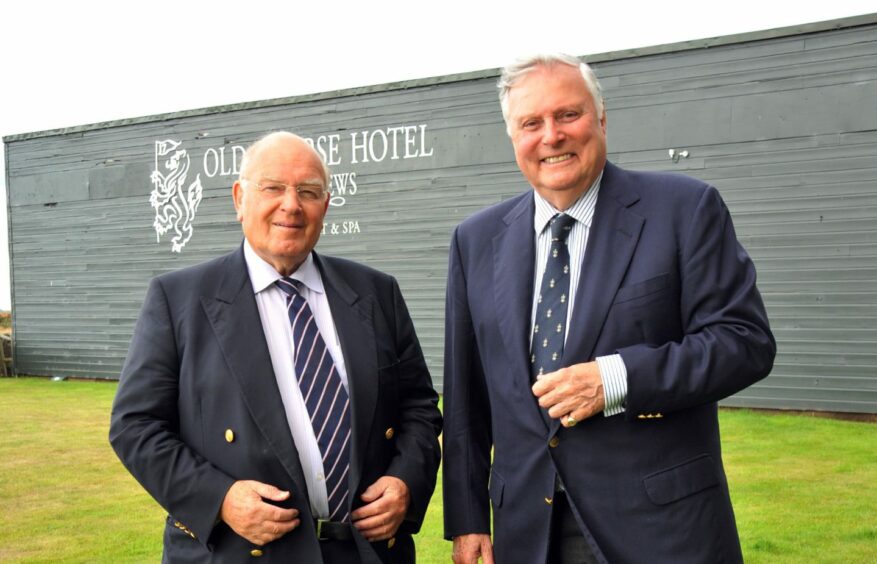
x=245 y=510
x=574 y=391
x=386 y=504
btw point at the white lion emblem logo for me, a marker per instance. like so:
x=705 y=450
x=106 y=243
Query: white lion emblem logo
x=173 y=207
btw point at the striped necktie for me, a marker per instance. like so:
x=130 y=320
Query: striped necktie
x=324 y=394
x=549 y=329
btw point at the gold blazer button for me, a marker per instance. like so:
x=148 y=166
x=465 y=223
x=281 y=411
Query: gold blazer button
x=391 y=542
x=256 y=552
x=229 y=436
x=554 y=442
x=389 y=433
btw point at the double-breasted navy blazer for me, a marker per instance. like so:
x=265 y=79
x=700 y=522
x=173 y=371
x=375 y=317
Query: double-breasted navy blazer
x=198 y=366
x=666 y=285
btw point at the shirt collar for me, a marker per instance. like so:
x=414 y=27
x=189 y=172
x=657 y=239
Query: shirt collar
x=582 y=209
x=263 y=275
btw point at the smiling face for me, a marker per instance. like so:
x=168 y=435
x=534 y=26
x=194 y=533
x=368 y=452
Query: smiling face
x=281 y=227
x=558 y=137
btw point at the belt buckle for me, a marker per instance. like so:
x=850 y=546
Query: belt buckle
x=320 y=523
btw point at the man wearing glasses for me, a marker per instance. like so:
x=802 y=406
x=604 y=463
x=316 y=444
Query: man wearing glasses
x=276 y=401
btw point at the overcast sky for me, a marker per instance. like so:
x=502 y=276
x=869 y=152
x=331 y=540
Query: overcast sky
x=73 y=63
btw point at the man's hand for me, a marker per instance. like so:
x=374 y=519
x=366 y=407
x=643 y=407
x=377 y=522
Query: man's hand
x=468 y=548
x=386 y=503
x=575 y=391
x=245 y=511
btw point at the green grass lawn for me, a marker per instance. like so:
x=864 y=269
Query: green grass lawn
x=804 y=488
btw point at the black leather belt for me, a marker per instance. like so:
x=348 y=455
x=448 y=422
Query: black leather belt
x=333 y=530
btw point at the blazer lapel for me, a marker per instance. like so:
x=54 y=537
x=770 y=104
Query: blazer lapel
x=613 y=238
x=514 y=252
x=353 y=316
x=234 y=317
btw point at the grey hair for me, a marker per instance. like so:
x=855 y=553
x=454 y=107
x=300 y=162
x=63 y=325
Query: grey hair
x=267 y=138
x=514 y=72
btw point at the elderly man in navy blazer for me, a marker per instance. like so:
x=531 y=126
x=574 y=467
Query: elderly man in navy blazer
x=275 y=401
x=592 y=325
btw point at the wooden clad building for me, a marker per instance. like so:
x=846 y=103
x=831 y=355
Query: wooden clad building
x=783 y=122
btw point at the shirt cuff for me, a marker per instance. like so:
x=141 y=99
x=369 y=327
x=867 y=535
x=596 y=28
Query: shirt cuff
x=614 y=375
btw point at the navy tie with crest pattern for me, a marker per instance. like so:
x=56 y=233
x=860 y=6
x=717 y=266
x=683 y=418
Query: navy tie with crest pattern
x=549 y=328
x=324 y=394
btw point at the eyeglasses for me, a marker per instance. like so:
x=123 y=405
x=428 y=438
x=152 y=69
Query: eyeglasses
x=306 y=192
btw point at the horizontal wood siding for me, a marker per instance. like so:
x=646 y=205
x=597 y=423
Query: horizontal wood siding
x=785 y=127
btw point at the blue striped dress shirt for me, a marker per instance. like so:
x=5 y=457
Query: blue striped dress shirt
x=612 y=369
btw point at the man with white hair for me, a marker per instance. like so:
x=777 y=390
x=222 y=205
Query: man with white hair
x=275 y=401
x=592 y=324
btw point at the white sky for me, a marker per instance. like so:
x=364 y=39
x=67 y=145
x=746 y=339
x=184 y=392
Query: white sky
x=72 y=63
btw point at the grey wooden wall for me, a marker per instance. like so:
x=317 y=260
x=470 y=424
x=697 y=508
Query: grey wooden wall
x=784 y=123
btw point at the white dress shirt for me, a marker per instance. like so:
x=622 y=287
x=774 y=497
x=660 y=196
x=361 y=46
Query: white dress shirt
x=612 y=369
x=271 y=301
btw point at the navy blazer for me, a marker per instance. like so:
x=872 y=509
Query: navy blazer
x=198 y=365
x=666 y=285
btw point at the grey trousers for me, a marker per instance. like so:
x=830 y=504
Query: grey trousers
x=568 y=545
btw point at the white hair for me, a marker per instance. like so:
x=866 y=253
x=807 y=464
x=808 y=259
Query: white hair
x=514 y=72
